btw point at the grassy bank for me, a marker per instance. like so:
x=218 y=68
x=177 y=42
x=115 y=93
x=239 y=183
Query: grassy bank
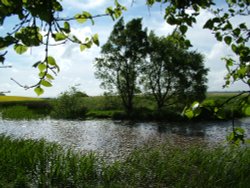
x=29 y=163
x=111 y=107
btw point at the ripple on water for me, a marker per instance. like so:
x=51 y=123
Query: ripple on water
x=116 y=139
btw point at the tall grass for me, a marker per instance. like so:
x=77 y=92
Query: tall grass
x=29 y=163
x=19 y=113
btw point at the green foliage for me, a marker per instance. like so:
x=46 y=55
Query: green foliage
x=235 y=35
x=33 y=163
x=69 y=105
x=29 y=163
x=172 y=73
x=237 y=137
x=40 y=22
x=19 y=113
x=116 y=12
x=118 y=68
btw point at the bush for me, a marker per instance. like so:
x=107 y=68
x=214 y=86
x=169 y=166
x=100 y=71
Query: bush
x=69 y=105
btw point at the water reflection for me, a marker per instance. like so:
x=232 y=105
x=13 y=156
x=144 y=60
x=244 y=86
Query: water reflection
x=116 y=139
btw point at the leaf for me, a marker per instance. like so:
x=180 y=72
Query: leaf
x=51 y=61
x=171 y=20
x=80 y=19
x=228 y=40
x=83 y=47
x=20 y=49
x=218 y=36
x=41 y=74
x=216 y=20
x=66 y=27
x=46 y=83
x=36 y=64
x=59 y=36
x=49 y=77
x=195 y=105
x=209 y=24
x=183 y=29
x=41 y=67
x=243 y=26
x=39 y=91
x=236 y=32
x=95 y=39
x=189 y=113
x=234 y=48
x=6 y=2
x=228 y=26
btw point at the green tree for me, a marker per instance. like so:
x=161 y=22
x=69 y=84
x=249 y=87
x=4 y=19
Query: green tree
x=173 y=74
x=37 y=15
x=235 y=35
x=118 y=68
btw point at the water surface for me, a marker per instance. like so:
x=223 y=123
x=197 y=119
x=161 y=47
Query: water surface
x=116 y=139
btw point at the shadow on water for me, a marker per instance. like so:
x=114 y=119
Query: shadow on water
x=116 y=139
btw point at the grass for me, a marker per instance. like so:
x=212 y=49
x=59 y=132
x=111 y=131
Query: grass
x=31 y=163
x=18 y=108
x=20 y=113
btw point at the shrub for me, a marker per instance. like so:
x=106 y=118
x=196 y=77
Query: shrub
x=68 y=105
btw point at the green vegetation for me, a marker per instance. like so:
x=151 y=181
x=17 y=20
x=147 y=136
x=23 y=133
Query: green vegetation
x=68 y=106
x=50 y=24
x=134 y=62
x=18 y=108
x=19 y=113
x=30 y=163
x=71 y=105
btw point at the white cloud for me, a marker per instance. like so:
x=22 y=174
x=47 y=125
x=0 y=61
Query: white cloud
x=88 y=4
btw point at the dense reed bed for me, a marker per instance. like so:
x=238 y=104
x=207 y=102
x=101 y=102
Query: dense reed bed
x=32 y=163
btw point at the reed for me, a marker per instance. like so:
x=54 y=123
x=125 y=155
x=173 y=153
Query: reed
x=33 y=163
x=19 y=113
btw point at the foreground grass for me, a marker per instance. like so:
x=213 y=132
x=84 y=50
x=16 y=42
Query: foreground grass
x=29 y=163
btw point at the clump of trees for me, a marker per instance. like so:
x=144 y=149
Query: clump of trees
x=133 y=61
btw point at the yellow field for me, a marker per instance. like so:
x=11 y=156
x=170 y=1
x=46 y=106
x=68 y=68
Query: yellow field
x=17 y=98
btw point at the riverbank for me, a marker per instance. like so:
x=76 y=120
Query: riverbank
x=31 y=163
x=110 y=107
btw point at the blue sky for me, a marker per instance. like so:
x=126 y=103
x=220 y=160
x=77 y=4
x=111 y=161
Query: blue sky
x=77 y=67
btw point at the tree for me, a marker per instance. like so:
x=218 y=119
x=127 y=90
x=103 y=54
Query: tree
x=118 y=68
x=36 y=17
x=172 y=74
x=236 y=36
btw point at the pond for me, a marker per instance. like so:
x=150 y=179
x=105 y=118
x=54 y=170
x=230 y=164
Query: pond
x=116 y=139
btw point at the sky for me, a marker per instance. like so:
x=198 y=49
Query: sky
x=76 y=67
